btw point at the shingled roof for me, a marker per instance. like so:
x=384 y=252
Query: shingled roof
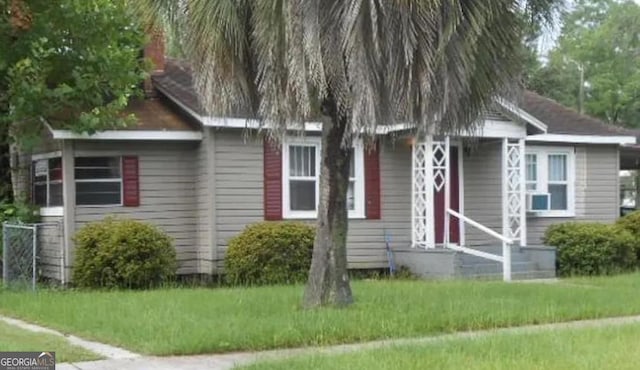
x=177 y=82
x=563 y=120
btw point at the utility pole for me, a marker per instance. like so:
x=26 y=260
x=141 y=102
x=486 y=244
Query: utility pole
x=581 y=87
x=581 y=91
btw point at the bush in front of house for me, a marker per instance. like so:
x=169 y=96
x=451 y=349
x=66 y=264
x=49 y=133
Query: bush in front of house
x=270 y=253
x=122 y=253
x=631 y=223
x=591 y=248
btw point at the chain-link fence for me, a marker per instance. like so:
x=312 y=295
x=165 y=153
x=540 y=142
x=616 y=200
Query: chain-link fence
x=31 y=252
x=19 y=254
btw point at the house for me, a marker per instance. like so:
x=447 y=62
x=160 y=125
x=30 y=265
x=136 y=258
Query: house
x=451 y=205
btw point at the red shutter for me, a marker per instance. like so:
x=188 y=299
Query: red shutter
x=372 y=182
x=272 y=181
x=130 y=182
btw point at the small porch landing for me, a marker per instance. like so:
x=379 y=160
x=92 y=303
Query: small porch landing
x=531 y=262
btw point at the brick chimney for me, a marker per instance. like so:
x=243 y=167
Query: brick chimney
x=154 y=52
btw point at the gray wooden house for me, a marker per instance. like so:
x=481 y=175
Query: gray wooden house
x=450 y=205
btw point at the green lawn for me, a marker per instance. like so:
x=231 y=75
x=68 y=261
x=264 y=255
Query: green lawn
x=601 y=348
x=16 y=339
x=191 y=321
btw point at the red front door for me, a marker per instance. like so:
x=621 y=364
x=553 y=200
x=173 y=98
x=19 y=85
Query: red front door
x=454 y=202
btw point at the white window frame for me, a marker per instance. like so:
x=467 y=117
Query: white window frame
x=542 y=169
x=119 y=180
x=358 y=152
x=48 y=210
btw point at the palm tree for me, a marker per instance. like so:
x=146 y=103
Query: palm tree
x=354 y=65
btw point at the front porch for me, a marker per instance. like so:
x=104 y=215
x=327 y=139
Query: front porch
x=469 y=211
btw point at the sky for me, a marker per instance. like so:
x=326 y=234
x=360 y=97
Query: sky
x=548 y=39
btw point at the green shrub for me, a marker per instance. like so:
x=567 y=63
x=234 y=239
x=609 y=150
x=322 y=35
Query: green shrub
x=591 y=248
x=270 y=253
x=119 y=253
x=631 y=223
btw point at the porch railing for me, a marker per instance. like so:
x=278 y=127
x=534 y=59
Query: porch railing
x=505 y=259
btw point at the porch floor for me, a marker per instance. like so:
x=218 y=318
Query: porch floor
x=531 y=262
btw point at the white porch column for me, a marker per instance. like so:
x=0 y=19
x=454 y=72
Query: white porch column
x=506 y=232
x=447 y=189
x=513 y=191
x=523 y=193
x=422 y=214
x=430 y=224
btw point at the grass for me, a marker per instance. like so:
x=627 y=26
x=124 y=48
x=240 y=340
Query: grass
x=20 y=340
x=193 y=321
x=593 y=348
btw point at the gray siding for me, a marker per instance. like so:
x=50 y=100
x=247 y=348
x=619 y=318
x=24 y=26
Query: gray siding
x=483 y=190
x=50 y=247
x=239 y=198
x=597 y=190
x=167 y=192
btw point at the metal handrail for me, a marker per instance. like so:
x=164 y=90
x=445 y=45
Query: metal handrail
x=506 y=244
x=480 y=227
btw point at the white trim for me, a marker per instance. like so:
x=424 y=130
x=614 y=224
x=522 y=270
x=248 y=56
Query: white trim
x=490 y=128
x=582 y=139
x=522 y=114
x=358 y=212
x=39 y=156
x=542 y=170
x=51 y=211
x=129 y=135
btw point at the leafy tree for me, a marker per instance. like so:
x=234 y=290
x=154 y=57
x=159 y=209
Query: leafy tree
x=600 y=40
x=353 y=65
x=71 y=63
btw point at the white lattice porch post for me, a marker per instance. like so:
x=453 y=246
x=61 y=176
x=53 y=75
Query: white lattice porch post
x=422 y=193
x=506 y=248
x=430 y=224
x=523 y=193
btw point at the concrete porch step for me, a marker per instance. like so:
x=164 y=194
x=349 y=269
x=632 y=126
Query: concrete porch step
x=496 y=268
x=523 y=275
x=537 y=262
x=468 y=259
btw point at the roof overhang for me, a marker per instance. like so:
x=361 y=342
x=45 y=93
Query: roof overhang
x=490 y=128
x=129 y=135
x=582 y=139
x=523 y=115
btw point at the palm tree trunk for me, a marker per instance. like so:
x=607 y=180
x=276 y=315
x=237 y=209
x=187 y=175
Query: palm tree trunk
x=328 y=282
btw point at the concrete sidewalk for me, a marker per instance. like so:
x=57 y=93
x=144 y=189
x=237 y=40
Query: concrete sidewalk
x=229 y=361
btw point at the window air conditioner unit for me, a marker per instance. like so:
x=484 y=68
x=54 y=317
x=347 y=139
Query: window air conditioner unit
x=537 y=202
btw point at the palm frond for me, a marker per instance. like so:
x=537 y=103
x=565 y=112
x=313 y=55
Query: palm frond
x=433 y=63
